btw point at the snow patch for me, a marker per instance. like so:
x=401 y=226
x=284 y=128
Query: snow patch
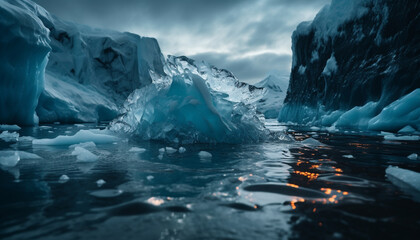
x=330 y=66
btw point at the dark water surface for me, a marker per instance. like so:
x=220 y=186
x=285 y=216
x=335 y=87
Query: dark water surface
x=271 y=190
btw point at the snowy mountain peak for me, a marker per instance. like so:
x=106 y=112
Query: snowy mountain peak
x=272 y=82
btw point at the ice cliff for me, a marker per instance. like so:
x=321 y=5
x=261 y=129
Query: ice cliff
x=193 y=103
x=98 y=68
x=356 y=66
x=24 y=48
x=88 y=75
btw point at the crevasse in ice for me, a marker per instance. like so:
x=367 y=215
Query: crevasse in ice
x=192 y=103
x=24 y=49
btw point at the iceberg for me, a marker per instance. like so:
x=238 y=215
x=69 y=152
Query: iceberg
x=192 y=103
x=24 y=48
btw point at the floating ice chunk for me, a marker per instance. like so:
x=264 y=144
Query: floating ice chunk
x=150 y=177
x=204 y=154
x=96 y=136
x=408 y=177
x=407 y=129
x=107 y=193
x=137 y=149
x=26 y=139
x=84 y=145
x=160 y=156
x=182 y=150
x=4 y=127
x=170 y=150
x=413 y=156
x=161 y=150
x=331 y=129
x=79 y=125
x=313 y=128
x=348 y=156
x=9 y=136
x=401 y=138
x=84 y=155
x=63 y=179
x=100 y=182
x=310 y=142
x=9 y=158
x=45 y=127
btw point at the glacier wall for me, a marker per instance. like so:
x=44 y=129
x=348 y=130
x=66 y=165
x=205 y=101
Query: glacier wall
x=89 y=72
x=102 y=66
x=24 y=48
x=355 y=59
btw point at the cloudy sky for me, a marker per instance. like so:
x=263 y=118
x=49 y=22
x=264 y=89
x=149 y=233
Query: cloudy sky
x=248 y=37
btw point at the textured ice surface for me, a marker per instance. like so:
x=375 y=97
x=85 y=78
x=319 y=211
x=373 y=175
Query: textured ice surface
x=404 y=111
x=84 y=155
x=82 y=136
x=192 y=103
x=406 y=176
x=24 y=48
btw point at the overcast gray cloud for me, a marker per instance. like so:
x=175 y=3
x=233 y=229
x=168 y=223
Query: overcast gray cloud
x=250 y=38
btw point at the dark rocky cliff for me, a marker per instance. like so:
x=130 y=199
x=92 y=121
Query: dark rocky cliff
x=354 y=52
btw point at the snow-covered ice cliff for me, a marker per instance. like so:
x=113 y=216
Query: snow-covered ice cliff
x=356 y=66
